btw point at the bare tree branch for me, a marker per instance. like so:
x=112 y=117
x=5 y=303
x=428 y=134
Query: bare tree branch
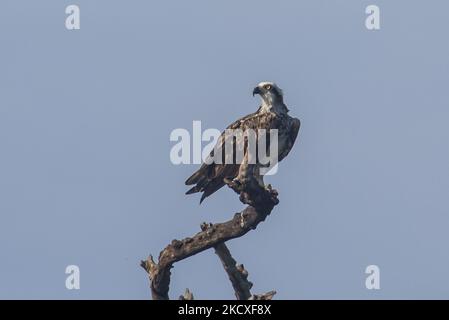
x=236 y=273
x=261 y=202
x=266 y=296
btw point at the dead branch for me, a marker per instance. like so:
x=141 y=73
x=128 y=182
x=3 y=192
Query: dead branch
x=236 y=273
x=261 y=201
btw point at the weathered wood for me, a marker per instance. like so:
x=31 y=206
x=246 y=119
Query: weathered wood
x=261 y=202
x=236 y=273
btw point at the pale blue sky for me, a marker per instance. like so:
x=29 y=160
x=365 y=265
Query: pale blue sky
x=85 y=118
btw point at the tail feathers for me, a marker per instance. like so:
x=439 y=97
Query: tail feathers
x=194 y=178
x=194 y=190
x=210 y=188
x=206 y=188
x=204 y=181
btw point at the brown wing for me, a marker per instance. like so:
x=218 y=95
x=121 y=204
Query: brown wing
x=295 y=124
x=210 y=177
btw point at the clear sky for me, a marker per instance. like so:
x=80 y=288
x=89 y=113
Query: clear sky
x=85 y=119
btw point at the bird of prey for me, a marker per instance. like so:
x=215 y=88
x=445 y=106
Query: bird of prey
x=272 y=114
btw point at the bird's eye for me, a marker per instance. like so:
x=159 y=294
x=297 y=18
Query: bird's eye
x=268 y=87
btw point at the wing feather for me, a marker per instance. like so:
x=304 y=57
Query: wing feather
x=210 y=177
x=291 y=138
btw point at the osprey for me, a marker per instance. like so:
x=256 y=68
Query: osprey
x=272 y=114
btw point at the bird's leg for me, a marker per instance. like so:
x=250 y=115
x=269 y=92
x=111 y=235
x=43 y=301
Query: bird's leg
x=249 y=184
x=249 y=172
x=238 y=183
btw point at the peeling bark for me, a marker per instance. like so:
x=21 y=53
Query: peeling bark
x=260 y=202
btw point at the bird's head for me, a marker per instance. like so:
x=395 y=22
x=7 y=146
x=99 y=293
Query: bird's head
x=269 y=92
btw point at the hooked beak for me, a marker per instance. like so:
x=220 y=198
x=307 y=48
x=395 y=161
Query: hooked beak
x=256 y=91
